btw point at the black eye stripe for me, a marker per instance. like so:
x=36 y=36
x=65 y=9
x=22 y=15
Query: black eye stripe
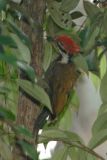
x=60 y=46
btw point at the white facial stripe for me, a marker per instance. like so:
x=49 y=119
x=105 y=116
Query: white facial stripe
x=65 y=59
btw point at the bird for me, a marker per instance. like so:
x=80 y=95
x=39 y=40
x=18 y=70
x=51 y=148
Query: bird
x=61 y=77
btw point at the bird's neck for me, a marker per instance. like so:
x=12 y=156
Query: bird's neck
x=63 y=58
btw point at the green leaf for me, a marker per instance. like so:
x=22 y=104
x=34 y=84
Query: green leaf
x=23 y=49
x=103 y=88
x=8 y=58
x=98 y=139
x=79 y=154
x=81 y=63
x=6 y=114
x=28 y=69
x=12 y=96
x=91 y=157
x=52 y=27
x=91 y=9
x=82 y=155
x=104 y=22
x=73 y=153
x=100 y=123
x=68 y=5
x=7 y=40
x=15 y=29
x=74 y=99
x=83 y=36
x=3 y=4
x=103 y=109
x=57 y=134
x=63 y=20
x=4 y=90
x=36 y=92
x=93 y=63
x=95 y=79
x=103 y=66
x=23 y=130
x=47 y=55
x=28 y=150
x=5 y=150
x=61 y=153
x=91 y=36
x=76 y=15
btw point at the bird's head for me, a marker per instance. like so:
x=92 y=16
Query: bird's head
x=66 y=45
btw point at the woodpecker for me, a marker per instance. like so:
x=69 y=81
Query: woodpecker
x=60 y=77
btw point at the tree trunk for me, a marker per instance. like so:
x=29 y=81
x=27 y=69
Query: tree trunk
x=28 y=109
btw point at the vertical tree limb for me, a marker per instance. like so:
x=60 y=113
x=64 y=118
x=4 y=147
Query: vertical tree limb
x=28 y=109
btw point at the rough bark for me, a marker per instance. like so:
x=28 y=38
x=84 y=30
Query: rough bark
x=28 y=109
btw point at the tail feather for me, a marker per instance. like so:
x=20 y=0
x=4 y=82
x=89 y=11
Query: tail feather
x=40 y=121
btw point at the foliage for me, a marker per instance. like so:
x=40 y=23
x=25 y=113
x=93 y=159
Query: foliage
x=15 y=57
